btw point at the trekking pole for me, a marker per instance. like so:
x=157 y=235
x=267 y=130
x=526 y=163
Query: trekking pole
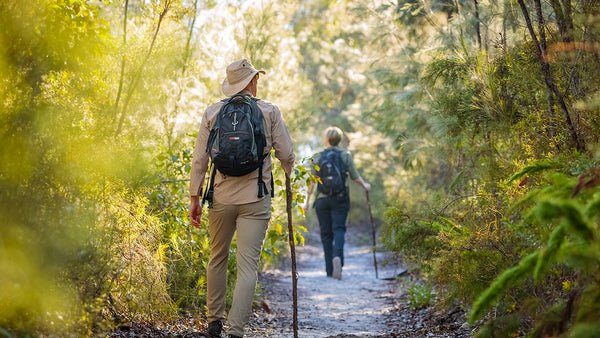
x=288 y=194
x=373 y=231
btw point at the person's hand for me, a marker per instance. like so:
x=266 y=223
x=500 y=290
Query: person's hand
x=195 y=211
x=306 y=208
x=367 y=186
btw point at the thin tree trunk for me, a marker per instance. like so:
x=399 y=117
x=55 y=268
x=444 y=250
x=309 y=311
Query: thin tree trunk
x=542 y=48
x=189 y=40
x=137 y=75
x=552 y=91
x=550 y=83
x=477 y=24
x=550 y=98
x=564 y=20
x=122 y=76
x=186 y=56
x=504 y=30
x=590 y=9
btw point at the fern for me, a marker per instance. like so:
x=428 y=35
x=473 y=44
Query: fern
x=531 y=169
x=501 y=284
x=585 y=330
x=593 y=208
x=548 y=210
x=548 y=254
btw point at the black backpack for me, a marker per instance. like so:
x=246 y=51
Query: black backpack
x=236 y=142
x=332 y=172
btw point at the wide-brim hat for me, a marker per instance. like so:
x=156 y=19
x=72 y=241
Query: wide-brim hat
x=239 y=74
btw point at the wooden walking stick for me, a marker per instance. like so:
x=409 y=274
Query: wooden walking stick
x=373 y=231
x=288 y=194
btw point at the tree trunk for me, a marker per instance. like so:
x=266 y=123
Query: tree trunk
x=186 y=56
x=564 y=21
x=477 y=24
x=551 y=114
x=137 y=75
x=550 y=83
x=590 y=9
x=189 y=40
x=122 y=76
x=552 y=91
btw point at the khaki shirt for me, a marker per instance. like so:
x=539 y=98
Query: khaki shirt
x=346 y=158
x=242 y=189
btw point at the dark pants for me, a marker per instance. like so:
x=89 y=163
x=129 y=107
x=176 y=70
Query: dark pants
x=332 y=214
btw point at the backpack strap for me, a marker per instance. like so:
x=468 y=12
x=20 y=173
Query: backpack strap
x=261 y=183
x=262 y=186
x=261 y=142
x=209 y=192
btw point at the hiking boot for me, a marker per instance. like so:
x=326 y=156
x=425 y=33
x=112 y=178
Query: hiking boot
x=214 y=329
x=337 y=268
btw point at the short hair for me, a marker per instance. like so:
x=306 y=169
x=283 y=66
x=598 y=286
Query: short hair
x=333 y=135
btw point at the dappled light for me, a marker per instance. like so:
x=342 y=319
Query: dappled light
x=476 y=123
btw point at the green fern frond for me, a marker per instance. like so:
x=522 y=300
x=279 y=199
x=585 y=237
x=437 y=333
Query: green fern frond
x=548 y=254
x=593 y=208
x=548 y=210
x=585 y=330
x=584 y=257
x=530 y=169
x=501 y=284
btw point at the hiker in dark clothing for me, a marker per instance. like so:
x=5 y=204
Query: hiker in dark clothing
x=332 y=208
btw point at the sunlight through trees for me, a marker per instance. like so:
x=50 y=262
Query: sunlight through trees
x=476 y=121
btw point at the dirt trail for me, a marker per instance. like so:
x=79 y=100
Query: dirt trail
x=359 y=305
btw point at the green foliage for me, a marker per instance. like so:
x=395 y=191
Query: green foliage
x=414 y=238
x=420 y=295
x=447 y=115
x=531 y=169
x=505 y=280
x=572 y=246
x=138 y=291
x=277 y=238
x=186 y=248
x=585 y=331
x=488 y=191
x=505 y=326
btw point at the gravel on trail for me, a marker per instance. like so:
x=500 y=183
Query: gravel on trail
x=358 y=305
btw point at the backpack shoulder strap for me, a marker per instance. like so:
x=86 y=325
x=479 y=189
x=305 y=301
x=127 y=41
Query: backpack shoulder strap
x=261 y=142
x=216 y=124
x=210 y=189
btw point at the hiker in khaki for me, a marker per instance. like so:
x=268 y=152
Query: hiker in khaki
x=236 y=205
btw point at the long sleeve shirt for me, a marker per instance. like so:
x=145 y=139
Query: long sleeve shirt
x=242 y=189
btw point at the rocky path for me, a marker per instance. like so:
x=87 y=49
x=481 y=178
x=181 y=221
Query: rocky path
x=359 y=305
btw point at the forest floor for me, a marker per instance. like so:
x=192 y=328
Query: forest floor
x=357 y=306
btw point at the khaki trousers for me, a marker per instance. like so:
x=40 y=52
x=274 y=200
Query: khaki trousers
x=251 y=221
